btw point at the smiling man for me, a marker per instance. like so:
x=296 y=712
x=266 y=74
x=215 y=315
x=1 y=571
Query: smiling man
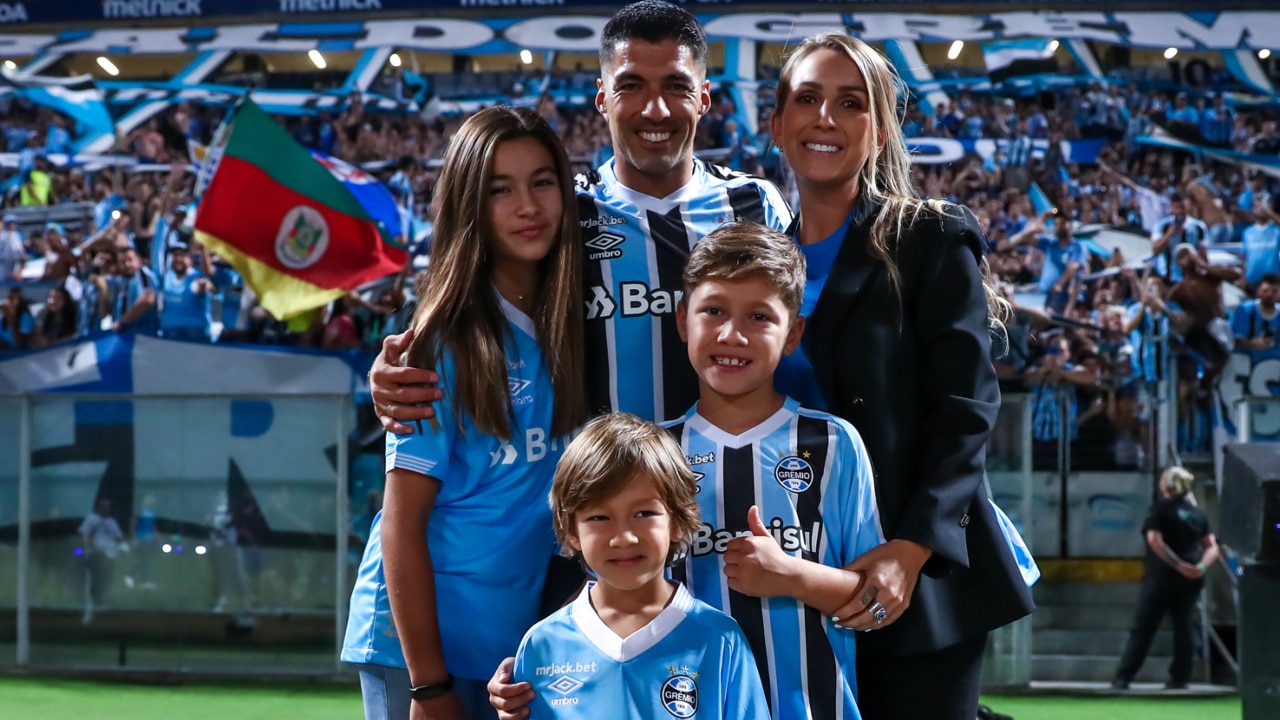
x=642 y=212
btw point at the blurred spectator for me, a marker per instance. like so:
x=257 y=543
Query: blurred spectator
x=36 y=184
x=1261 y=241
x=16 y=324
x=103 y=540
x=57 y=321
x=1204 y=198
x=1178 y=228
x=1205 y=330
x=135 y=304
x=184 y=304
x=343 y=330
x=1255 y=322
x=13 y=252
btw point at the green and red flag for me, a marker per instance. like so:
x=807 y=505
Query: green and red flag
x=294 y=231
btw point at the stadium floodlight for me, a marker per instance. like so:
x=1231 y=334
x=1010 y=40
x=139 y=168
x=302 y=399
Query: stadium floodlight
x=526 y=57
x=317 y=58
x=107 y=65
x=200 y=550
x=395 y=59
x=166 y=548
x=11 y=65
x=1264 y=53
x=1171 y=53
x=954 y=52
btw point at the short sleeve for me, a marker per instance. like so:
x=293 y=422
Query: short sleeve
x=744 y=694
x=860 y=519
x=427 y=450
x=1240 y=320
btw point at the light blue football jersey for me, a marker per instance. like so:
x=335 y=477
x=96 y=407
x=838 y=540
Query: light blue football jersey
x=811 y=477
x=690 y=661
x=635 y=248
x=490 y=533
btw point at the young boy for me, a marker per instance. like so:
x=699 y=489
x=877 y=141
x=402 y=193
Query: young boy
x=787 y=495
x=633 y=644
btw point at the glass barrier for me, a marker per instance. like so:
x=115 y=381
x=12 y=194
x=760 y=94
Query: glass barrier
x=1008 y=655
x=185 y=534
x=10 y=454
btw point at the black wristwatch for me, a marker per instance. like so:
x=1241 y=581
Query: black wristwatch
x=432 y=690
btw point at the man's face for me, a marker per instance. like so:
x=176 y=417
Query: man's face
x=1268 y=293
x=1179 y=210
x=652 y=96
x=181 y=262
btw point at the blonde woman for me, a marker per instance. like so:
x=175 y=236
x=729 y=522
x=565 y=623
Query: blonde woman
x=899 y=314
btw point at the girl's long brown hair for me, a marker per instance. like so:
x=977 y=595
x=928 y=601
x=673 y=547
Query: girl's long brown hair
x=458 y=309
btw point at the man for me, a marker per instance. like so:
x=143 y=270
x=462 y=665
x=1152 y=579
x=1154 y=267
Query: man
x=1261 y=242
x=1218 y=123
x=1200 y=296
x=135 y=304
x=103 y=540
x=13 y=253
x=184 y=307
x=1064 y=258
x=1256 y=323
x=1177 y=228
x=1204 y=202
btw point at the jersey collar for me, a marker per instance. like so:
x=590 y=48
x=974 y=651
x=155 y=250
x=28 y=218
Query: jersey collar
x=623 y=649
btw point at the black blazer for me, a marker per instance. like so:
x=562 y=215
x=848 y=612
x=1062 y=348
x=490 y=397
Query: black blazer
x=911 y=369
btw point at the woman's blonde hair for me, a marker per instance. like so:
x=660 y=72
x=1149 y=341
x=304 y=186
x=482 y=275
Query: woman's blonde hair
x=459 y=311
x=612 y=450
x=887 y=178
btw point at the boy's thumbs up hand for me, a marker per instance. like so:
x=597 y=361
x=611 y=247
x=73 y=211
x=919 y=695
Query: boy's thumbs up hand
x=756 y=565
x=755 y=523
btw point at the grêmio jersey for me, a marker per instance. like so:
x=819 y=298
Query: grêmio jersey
x=690 y=661
x=636 y=247
x=489 y=561
x=811 y=477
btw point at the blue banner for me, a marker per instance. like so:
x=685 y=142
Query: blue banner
x=936 y=151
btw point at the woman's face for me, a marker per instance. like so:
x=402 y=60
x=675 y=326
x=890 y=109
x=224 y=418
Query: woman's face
x=54 y=301
x=824 y=128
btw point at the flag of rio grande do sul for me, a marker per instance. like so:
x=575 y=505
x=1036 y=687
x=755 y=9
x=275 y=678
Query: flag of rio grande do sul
x=294 y=231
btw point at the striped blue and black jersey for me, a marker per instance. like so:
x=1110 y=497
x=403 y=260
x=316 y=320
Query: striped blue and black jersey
x=636 y=249
x=810 y=475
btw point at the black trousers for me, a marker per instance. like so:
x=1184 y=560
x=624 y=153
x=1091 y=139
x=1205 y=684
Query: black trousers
x=1163 y=593
x=941 y=685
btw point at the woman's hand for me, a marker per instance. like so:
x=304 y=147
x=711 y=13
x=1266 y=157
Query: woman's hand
x=891 y=571
x=401 y=394
x=510 y=700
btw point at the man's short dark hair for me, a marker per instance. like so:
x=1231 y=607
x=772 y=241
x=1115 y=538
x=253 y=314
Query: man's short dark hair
x=654 y=21
x=1270 y=279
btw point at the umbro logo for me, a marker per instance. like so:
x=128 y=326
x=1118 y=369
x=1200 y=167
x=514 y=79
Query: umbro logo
x=518 y=385
x=605 y=246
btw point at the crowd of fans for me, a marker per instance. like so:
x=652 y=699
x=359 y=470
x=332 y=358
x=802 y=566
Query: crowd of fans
x=1089 y=356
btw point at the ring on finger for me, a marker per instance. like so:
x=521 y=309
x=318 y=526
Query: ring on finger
x=386 y=408
x=878 y=612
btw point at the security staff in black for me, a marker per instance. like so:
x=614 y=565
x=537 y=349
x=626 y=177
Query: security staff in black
x=1179 y=549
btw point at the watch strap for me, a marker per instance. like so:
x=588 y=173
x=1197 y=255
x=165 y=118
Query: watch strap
x=432 y=690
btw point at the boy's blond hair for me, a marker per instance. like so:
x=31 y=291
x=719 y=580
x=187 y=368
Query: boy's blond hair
x=610 y=451
x=739 y=250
